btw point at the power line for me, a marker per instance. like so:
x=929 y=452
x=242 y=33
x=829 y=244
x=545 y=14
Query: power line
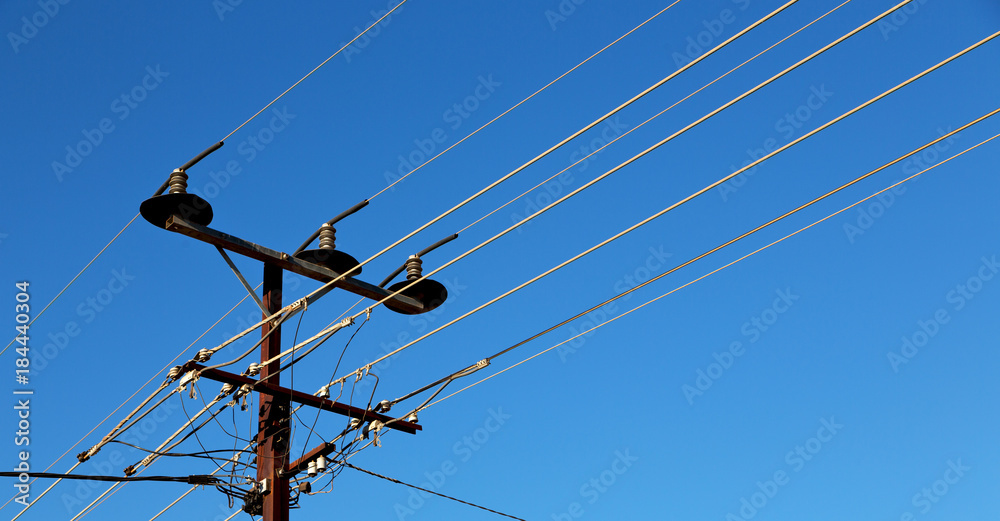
x=70 y=283
x=838 y=212
x=555 y=147
x=296 y=84
x=215 y=147
x=657 y=115
x=46 y=491
x=194 y=479
x=348 y=465
x=640 y=125
x=682 y=201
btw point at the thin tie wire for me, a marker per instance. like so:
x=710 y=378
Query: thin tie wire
x=682 y=201
x=838 y=212
x=348 y=44
x=56 y=482
x=106 y=246
x=596 y=122
x=192 y=489
x=504 y=113
x=640 y=125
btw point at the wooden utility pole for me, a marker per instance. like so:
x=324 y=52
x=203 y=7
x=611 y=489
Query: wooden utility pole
x=273 y=425
x=190 y=215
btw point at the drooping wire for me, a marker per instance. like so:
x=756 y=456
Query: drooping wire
x=50 y=487
x=359 y=469
x=312 y=428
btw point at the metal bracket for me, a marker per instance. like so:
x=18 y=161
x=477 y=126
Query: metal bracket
x=239 y=275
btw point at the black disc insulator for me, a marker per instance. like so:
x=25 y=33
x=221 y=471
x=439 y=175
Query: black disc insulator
x=428 y=292
x=189 y=207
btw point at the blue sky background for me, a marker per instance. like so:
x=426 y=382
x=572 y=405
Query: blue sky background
x=569 y=415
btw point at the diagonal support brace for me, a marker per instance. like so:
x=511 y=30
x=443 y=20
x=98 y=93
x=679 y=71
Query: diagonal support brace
x=239 y=275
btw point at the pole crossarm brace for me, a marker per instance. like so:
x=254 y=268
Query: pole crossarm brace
x=243 y=281
x=301 y=397
x=286 y=262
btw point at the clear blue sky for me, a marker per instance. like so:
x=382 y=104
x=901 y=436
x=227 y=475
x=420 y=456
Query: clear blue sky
x=842 y=374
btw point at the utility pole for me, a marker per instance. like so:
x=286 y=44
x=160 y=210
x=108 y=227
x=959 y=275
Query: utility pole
x=274 y=424
x=190 y=215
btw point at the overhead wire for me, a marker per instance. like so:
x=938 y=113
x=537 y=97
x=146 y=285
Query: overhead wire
x=721 y=45
x=655 y=116
x=800 y=230
x=70 y=283
x=163 y=187
x=393 y=480
x=738 y=238
x=682 y=201
x=50 y=487
x=310 y=73
x=640 y=125
x=555 y=147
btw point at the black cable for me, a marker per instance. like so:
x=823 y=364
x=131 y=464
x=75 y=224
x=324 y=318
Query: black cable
x=346 y=464
x=194 y=479
x=194 y=431
x=332 y=376
x=203 y=454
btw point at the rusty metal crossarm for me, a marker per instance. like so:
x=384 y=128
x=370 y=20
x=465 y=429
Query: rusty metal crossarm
x=301 y=397
x=285 y=262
